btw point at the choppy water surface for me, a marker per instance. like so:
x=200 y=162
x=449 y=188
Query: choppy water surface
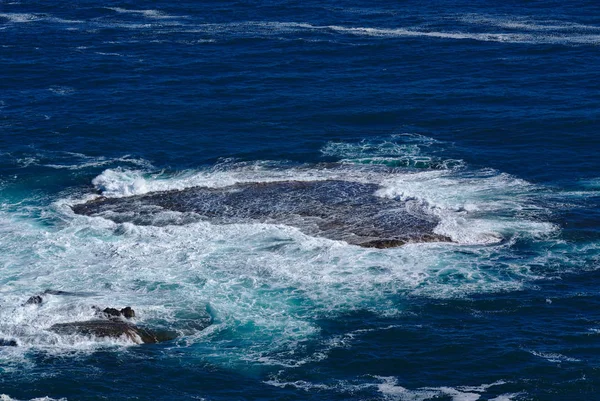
x=478 y=120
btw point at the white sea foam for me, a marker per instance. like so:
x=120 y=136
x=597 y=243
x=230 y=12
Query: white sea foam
x=251 y=275
x=264 y=284
x=480 y=207
x=4 y=397
x=554 y=357
x=19 y=17
x=123 y=182
x=34 y=17
x=391 y=390
x=526 y=38
x=153 y=14
x=522 y=30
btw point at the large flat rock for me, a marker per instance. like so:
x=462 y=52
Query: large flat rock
x=335 y=209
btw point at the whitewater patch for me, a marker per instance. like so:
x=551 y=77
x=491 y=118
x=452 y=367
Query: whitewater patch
x=466 y=202
x=401 y=150
x=121 y=182
x=264 y=285
x=389 y=389
x=4 y=397
x=474 y=207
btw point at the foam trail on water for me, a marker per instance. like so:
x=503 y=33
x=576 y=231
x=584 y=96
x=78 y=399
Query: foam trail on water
x=153 y=14
x=4 y=397
x=519 y=37
x=389 y=388
x=520 y=30
x=20 y=18
x=525 y=23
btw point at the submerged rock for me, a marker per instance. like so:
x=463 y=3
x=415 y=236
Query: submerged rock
x=38 y=299
x=113 y=328
x=7 y=343
x=335 y=209
x=68 y=293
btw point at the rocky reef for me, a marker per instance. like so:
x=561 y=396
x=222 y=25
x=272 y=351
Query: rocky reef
x=334 y=209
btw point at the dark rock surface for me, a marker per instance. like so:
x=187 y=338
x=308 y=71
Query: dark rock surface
x=126 y=312
x=335 y=209
x=7 y=343
x=113 y=328
x=34 y=300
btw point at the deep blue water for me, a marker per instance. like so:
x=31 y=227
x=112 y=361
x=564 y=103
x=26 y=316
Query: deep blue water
x=484 y=113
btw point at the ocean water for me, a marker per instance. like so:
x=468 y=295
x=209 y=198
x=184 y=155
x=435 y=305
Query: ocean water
x=485 y=115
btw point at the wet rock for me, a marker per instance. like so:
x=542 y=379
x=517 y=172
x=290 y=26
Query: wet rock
x=334 y=209
x=112 y=312
x=57 y=292
x=34 y=300
x=127 y=312
x=396 y=242
x=7 y=343
x=113 y=328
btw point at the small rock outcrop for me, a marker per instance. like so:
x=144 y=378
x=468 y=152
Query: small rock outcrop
x=34 y=300
x=126 y=312
x=7 y=343
x=111 y=324
x=109 y=328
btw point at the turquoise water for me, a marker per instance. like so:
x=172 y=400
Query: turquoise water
x=483 y=117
